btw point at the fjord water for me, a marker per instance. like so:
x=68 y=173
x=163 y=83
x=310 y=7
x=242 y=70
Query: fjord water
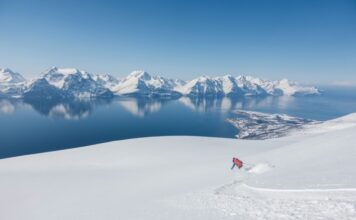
x=27 y=128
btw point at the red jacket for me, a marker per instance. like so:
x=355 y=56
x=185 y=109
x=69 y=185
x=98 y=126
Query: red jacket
x=238 y=162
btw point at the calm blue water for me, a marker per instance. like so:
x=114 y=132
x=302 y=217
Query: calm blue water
x=27 y=128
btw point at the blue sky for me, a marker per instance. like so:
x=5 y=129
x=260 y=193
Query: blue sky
x=309 y=41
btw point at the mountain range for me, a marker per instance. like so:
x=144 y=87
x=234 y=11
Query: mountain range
x=71 y=83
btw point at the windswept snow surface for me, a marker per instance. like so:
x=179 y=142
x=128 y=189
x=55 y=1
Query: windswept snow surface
x=310 y=175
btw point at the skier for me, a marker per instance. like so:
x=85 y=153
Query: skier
x=236 y=162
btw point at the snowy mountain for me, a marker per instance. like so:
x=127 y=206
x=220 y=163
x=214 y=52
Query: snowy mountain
x=106 y=80
x=12 y=90
x=11 y=83
x=41 y=89
x=250 y=87
x=143 y=84
x=283 y=87
x=293 y=88
x=202 y=86
x=79 y=84
x=9 y=76
x=65 y=83
x=242 y=86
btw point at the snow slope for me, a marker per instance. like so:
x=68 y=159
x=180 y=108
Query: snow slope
x=309 y=175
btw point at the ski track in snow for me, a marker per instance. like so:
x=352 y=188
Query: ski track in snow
x=240 y=201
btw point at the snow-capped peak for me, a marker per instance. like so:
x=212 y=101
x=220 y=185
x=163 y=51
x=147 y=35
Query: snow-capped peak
x=66 y=83
x=242 y=86
x=293 y=88
x=284 y=80
x=107 y=80
x=201 y=86
x=5 y=70
x=139 y=74
x=227 y=76
x=59 y=76
x=140 y=82
x=203 y=78
x=66 y=71
x=9 y=76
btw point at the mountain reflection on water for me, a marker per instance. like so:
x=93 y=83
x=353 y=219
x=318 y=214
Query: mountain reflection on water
x=140 y=107
x=37 y=126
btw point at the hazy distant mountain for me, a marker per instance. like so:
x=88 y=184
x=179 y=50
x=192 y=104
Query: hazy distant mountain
x=71 y=83
x=12 y=84
x=8 y=76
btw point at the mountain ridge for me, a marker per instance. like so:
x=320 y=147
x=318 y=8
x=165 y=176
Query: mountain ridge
x=79 y=84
